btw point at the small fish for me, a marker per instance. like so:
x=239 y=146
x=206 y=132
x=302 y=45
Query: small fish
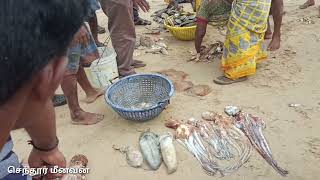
x=168 y=153
x=149 y=145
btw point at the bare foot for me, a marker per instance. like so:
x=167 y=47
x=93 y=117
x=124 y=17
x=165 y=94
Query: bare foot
x=93 y=96
x=275 y=43
x=85 y=118
x=307 y=4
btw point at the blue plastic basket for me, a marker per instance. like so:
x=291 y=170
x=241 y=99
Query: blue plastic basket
x=140 y=97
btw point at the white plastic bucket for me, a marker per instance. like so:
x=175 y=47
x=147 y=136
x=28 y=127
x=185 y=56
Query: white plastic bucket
x=102 y=72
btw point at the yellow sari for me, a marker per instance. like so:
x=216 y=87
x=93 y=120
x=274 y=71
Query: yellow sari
x=243 y=47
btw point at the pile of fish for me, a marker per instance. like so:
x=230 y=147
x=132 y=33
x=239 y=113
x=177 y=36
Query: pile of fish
x=175 y=16
x=154 y=150
x=210 y=53
x=223 y=144
x=161 y=15
x=152 y=45
x=218 y=145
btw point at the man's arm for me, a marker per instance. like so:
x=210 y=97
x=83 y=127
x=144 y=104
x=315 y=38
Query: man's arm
x=200 y=33
x=42 y=130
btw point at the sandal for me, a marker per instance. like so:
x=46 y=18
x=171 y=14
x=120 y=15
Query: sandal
x=59 y=100
x=222 y=80
x=142 y=22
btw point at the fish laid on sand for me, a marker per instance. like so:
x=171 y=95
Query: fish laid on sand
x=134 y=157
x=168 y=152
x=212 y=141
x=149 y=145
x=76 y=162
x=252 y=127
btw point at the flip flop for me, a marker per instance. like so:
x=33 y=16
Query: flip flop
x=305 y=5
x=101 y=30
x=59 y=100
x=222 y=80
x=142 y=22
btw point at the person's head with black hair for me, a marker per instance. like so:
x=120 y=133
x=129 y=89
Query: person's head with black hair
x=34 y=38
x=32 y=34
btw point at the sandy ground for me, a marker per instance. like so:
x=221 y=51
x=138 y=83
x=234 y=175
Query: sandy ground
x=291 y=75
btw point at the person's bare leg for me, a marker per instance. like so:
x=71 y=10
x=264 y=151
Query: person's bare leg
x=307 y=4
x=93 y=23
x=91 y=93
x=277 y=12
x=268 y=34
x=78 y=116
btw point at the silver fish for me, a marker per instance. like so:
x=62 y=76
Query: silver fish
x=149 y=145
x=210 y=143
x=252 y=127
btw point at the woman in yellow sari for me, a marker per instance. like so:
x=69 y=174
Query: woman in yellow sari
x=243 y=47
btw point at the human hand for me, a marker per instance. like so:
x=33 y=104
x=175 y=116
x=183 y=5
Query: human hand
x=143 y=4
x=38 y=159
x=81 y=37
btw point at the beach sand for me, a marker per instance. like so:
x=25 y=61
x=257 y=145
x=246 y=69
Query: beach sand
x=290 y=75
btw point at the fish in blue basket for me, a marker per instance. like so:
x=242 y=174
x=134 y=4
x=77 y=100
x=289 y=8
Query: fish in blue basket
x=150 y=148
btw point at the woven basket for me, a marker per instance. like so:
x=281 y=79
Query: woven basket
x=182 y=33
x=127 y=95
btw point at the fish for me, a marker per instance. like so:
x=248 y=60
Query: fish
x=77 y=161
x=134 y=157
x=149 y=145
x=210 y=142
x=168 y=152
x=252 y=126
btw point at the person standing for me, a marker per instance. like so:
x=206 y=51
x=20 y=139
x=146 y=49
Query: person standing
x=243 y=47
x=82 y=52
x=122 y=31
x=34 y=38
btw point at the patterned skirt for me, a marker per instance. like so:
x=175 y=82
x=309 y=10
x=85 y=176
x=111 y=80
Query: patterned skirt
x=243 y=47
